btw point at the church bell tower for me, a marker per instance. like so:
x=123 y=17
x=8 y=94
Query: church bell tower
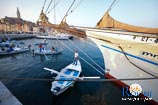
x=18 y=13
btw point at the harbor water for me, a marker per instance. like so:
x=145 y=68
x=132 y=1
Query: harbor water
x=37 y=92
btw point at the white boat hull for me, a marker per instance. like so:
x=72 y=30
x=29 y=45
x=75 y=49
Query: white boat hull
x=47 y=52
x=121 y=68
x=55 y=37
x=21 y=50
x=71 y=72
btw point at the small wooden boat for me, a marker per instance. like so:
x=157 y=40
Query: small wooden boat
x=56 y=37
x=47 y=52
x=44 y=50
x=15 y=51
x=70 y=72
x=67 y=77
x=5 y=50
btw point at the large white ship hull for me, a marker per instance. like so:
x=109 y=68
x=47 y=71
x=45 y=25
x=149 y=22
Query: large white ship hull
x=128 y=64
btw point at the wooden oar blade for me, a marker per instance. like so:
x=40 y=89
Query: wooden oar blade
x=90 y=77
x=51 y=70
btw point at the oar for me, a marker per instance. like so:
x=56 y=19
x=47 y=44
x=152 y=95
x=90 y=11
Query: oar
x=89 y=78
x=54 y=71
x=68 y=76
x=46 y=56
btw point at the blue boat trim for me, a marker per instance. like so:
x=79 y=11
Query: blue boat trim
x=134 y=56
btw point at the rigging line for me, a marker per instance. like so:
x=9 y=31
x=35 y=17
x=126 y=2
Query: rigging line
x=68 y=10
x=91 y=66
x=81 y=57
x=48 y=6
x=86 y=62
x=92 y=44
x=115 y=4
x=131 y=61
x=135 y=64
x=59 y=16
x=61 y=11
x=106 y=2
x=70 y=7
x=54 y=13
x=111 y=6
x=77 y=79
x=44 y=4
x=76 y=6
x=56 y=4
x=87 y=55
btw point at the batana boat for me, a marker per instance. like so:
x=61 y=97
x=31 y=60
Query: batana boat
x=70 y=72
x=15 y=51
x=44 y=51
x=55 y=37
x=66 y=77
x=5 y=50
x=47 y=52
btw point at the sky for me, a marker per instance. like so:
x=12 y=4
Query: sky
x=88 y=13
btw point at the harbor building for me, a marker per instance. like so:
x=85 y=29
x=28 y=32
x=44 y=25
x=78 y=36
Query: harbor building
x=15 y=24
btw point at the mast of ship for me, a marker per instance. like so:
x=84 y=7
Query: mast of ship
x=63 y=21
x=54 y=13
x=43 y=18
x=109 y=9
x=48 y=6
x=43 y=5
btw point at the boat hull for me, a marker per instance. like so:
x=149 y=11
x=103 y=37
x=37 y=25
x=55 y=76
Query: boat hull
x=63 y=90
x=47 y=53
x=55 y=37
x=71 y=73
x=125 y=60
x=13 y=52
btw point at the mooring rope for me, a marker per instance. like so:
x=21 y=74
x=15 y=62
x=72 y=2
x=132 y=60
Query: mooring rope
x=135 y=64
x=80 y=57
x=87 y=55
x=130 y=60
x=79 y=80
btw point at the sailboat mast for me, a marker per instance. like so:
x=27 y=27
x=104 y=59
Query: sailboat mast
x=68 y=11
x=111 y=5
x=54 y=13
x=44 y=5
x=48 y=6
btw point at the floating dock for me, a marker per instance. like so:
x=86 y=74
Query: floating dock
x=6 y=97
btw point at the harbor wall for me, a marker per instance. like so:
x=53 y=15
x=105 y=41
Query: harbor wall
x=17 y=36
x=6 y=97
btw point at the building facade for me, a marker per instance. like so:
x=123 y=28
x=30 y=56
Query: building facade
x=15 y=24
